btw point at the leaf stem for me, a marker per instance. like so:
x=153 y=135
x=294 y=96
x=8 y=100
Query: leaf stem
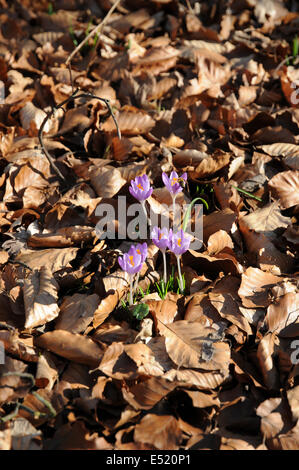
x=131 y=290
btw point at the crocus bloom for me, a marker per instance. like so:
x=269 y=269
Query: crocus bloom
x=172 y=182
x=141 y=249
x=131 y=262
x=161 y=237
x=140 y=188
x=179 y=242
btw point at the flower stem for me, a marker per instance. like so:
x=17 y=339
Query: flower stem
x=173 y=210
x=131 y=290
x=136 y=282
x=181 y=285
x=145 y=212
x=165 y=267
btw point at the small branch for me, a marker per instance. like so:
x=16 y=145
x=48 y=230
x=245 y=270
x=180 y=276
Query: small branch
x=94 y=31
x=20 y=263
x=73 y=96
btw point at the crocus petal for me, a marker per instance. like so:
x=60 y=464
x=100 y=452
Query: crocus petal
x=140 y=188
x=148 y=193
x=165 y=178
x=173 y=175
x=184 y=176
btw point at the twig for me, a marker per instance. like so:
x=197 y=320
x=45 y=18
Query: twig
x=94 y=31
x=73 y=96
x=20 y=263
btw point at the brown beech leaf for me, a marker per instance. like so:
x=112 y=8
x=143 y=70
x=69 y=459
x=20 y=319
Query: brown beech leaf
x=195 y=378
x=46 y=373
x=71 y=346
x=30 y=113
x=222 y=220
x=200 y=309
x=63 y=237
x=224 y=298
x=164 y=310
x=283 y=312
x=265 y=356
x=288 y=441
x=266 y=219
x=40 y=298
x=235 y=444
x=190 y=344
x=19 y=346
x=156 y=60
x=203 y=399
x=224 y=261
x=54 y=259
x=285 y=187
x=130 y=123
x=105 y=307
x=111 y=332
x=228 y=197
x=161 y=431
x=255 y=288
x=115 y=286
x=148 y=393
x=128 y=361
x=218 y=241
x=293 y=399
x=5 y=439
x=106 y=181
x=76 y=312
x=75 y=436
x=289 y=152
x=274 y=415
x=263 y=252
x=12 y=387
x=189 y=157
x=210 y=165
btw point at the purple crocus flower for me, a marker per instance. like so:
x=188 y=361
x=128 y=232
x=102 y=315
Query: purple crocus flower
x=141 y=249
x=131 y=262
x=161 y=237
x=140 y=188
x=179 y=242
x=172 y=182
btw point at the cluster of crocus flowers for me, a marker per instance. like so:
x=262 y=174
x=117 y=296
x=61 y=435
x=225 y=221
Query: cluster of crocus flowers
x=132 y=262
x=178 y=243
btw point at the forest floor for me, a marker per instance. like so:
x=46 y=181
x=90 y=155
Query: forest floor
x=210 y=89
